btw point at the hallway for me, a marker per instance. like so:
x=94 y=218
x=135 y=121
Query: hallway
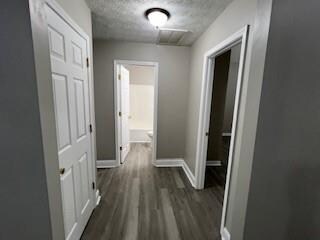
x=139 y=201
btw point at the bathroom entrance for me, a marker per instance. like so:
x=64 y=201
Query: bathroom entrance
x=136 y=107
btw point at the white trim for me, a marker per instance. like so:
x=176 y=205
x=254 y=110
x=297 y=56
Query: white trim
x=98 y=197
x=214 y=163
x=205 y=107
x=189 y=174
x=225 y=235
x=226 y=134
x=117 y=107
x=106 y=163
x=177 y=162
x=140 y=141
x=169 y=162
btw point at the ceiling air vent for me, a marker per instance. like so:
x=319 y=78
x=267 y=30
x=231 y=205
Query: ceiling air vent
x=168 y=36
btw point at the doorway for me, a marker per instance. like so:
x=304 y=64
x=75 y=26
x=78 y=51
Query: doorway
x=219 y=112
x=221 y=116
x=136 y=86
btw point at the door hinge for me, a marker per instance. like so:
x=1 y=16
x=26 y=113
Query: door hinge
x=93 y=185
x=87 y=62
x=90 y=128
x=120 y=114
x=120 y=148
x=119 y=76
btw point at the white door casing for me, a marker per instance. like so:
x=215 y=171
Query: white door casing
x=68 y=52
x=125 y=111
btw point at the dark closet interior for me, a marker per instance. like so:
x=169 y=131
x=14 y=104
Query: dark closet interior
x=221 y=116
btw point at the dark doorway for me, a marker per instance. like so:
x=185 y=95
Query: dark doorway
x=226 y=68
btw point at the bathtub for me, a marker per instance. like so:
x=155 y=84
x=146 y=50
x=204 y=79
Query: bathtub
x=139 y=136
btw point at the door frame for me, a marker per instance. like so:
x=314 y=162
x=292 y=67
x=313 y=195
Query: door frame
x=117 y=105
x=62 y=13
x=240 y=37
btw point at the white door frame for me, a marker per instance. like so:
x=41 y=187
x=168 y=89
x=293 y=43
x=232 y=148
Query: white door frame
x=61 y=12
x=205 y=110
x=117 y=105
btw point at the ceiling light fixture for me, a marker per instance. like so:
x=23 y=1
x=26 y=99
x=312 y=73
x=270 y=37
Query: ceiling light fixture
x=157 y=16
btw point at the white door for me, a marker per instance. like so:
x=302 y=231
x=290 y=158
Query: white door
x=68 y=51
x=125 y=112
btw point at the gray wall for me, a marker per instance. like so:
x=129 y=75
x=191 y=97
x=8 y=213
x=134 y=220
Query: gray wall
x=172 y=93
x=24 y=197
x=256 y=13
x=284 y=194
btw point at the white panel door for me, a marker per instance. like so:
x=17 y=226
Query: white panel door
x=68 y=51
x=125 y=111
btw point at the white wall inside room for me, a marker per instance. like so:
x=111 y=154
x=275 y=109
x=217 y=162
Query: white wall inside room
x=141 y=102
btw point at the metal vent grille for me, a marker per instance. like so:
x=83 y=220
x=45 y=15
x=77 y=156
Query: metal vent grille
x=169 y=36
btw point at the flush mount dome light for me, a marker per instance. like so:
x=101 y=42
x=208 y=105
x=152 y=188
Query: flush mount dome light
x=157 y=16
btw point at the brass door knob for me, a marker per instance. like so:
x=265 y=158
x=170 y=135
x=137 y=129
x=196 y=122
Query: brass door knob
x=62 y=170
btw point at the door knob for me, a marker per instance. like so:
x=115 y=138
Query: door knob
x=207 y=134
x=62 y=170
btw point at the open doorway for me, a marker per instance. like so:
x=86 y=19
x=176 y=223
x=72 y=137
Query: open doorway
x=219 y=110
x=221 y=116
x=136 y=107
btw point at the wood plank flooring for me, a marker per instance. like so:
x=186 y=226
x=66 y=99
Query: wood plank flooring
x=142 y=202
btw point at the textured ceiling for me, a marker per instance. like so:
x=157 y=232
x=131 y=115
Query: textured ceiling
x=124 y=19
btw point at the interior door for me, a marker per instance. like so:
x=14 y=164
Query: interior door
x=125 y=112
x=68 y=52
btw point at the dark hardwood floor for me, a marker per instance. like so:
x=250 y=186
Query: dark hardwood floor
x=140 y=201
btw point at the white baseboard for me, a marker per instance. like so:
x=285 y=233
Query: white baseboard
x=140 y=141
x=106 y=163
x=98 y=197
x=177 y=162
x=189 y=174
x=169 y=162
x=225 y=235
x=214 y=163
